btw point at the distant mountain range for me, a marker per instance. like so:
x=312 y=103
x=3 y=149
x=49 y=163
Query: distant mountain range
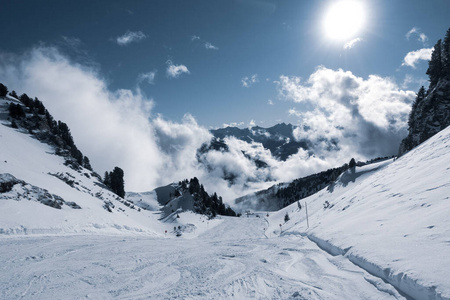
x=279 y=139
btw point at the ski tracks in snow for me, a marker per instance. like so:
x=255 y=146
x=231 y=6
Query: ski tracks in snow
x=235 y=260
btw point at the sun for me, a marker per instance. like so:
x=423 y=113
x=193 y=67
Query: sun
x=344 y=20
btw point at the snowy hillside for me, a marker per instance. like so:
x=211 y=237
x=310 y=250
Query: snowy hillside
x=390 y=218
x=40 y=194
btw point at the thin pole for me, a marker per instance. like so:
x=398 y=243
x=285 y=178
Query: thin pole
x=307 y=221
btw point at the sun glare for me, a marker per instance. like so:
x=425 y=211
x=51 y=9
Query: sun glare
x=344 y=20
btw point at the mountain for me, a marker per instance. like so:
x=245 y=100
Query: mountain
x=186 y=195
x=390 y=218
x=279 y=139
x=283 y=194
x=45 y=189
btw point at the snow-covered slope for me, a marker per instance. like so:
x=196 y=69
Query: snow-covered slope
x=391 y=218
x=39 y=194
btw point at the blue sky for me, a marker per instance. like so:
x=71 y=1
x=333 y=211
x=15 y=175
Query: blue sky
x=223 y=44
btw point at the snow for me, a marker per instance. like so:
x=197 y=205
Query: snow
x=391 y=218
x=233 y=261
x=385 y=235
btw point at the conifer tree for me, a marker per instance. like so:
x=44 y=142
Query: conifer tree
x=435 y=65
x=117 y=182
x=87 y=163
x=14 y=94
x=3 y=90
x=446 y=55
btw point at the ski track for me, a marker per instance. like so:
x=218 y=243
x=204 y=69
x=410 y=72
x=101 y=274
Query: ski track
x=234 y=260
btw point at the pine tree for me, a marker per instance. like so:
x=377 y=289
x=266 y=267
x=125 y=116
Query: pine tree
x=435 y=65
x=412 y=115
x=286 y=217
x=446 y=55
x=352 y=163
x=25 y=100
x=107 y=179
x=13 y=94
x=87 y=163
x=117 y=182
x=3 y=90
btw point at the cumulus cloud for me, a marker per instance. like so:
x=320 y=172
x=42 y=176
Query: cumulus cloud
x=366 y=117
x=113 y=128
x=413 y=57
x=270 y=102
x=210 y=46
x=421 y=37
x=194 y=38
x=148 y=77
x=248 y=81
x=130 y=37
x=174 y=71
x=361 y=118
x=352 y=43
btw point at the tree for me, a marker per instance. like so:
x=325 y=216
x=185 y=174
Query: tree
x=435 y=65
x=13 y=94
x=446 y=55
x=107 y=179
x=412 y=115
x=25 y=100
x=117 y=182
x=87 y=163
x=16 y=111
x=3 y=90
x=286 y=217
x=352 y=163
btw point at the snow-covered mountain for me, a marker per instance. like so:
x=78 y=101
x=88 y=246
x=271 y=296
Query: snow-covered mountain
x=279 y=139
x=41 y=193
x=392 y=218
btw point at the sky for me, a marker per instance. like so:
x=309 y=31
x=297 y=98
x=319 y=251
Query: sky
x=231 y=53
x=156 y=75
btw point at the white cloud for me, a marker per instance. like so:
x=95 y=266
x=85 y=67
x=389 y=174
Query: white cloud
x=367 y=117
x=210 y=46
x=421 y=37
x=130 y=37
x=248 y=81
x=413 y=57
x=174 y=71
x=352 y=43
x=270 y=102
x=151 y=150
x=233 y=124
x=149 y=77
x=194 y=38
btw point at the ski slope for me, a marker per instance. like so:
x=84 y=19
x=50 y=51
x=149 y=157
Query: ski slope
x=391 y=218
x=234 y=260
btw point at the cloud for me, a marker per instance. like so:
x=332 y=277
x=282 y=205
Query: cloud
x=366 y=117
x=194 y=38
x=210 y=46
x=233 y=124
x=421 y=37
x=249 y=81
x=130 y=37
x=149 y=77
x=270 y=102
x=351 y=116
x=352 y=43
x=413 y=57
x=174 y=71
